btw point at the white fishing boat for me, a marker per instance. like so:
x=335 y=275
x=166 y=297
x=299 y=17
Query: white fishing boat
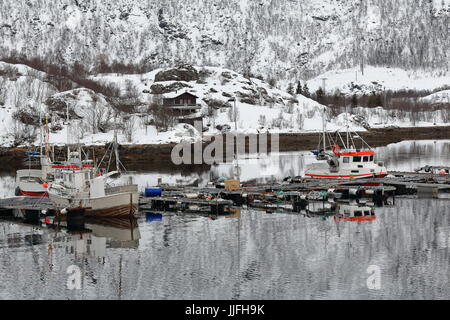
x=83 y=187
x=80 y=184
x=33 y=182
x=30 y=183
x=344 y=157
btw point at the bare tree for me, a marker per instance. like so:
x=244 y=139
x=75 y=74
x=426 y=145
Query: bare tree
x=163 y=118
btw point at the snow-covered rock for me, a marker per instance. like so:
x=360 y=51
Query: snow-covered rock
x=440 y=97
x=353 y=81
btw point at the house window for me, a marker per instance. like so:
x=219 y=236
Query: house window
x=356 y=159
x=346 y=160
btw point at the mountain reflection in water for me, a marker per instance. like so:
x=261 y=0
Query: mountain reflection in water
x=246 y=255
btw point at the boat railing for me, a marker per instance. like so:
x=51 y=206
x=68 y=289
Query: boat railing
x=29 y=173
x=120 y=189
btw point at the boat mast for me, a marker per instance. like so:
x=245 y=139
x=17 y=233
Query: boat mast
x=346 y=122
x=41 y=132
x=324 y=127
x=68 y=132
x=116 y=151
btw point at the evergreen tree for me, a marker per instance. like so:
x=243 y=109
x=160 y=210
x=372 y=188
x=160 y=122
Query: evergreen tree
x=336 y=99
x=306 y=91
x=378 y=101
x=290 y=89
x=375 y=100
x=320 y=95
x=354 y=101
x=299 y=88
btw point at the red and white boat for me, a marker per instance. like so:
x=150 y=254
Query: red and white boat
x=34 y=182
x=354 y=160
x=355 y=213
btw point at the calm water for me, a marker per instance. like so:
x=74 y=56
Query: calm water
x=248 y=255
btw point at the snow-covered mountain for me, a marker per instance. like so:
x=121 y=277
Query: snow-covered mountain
x=277 y=39
x=251 y=50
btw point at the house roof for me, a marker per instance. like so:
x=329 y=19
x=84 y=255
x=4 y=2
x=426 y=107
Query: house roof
x=172 y=95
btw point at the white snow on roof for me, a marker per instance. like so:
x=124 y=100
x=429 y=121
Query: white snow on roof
x=171 y=95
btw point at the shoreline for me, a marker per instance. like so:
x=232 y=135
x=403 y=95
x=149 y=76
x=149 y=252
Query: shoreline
x=158 y=156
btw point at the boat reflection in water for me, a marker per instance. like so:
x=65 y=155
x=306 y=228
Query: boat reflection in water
x=355 y=213
x=342 y=211
x=93 y=236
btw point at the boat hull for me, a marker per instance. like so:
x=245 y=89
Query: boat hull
x=347 y=171
x=114 y=205
x=350 y=176
x=31 y=193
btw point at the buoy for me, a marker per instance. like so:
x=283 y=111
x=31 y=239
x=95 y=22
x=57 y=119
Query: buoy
x=45 y=185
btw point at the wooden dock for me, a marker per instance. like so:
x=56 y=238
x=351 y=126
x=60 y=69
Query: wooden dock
x=215 y=206
x=216 y=200
x=26 y=203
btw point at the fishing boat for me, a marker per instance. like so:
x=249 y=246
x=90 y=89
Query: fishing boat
x=30 y=183
x=33 y=182
x=344 y=156
x=81 y=184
